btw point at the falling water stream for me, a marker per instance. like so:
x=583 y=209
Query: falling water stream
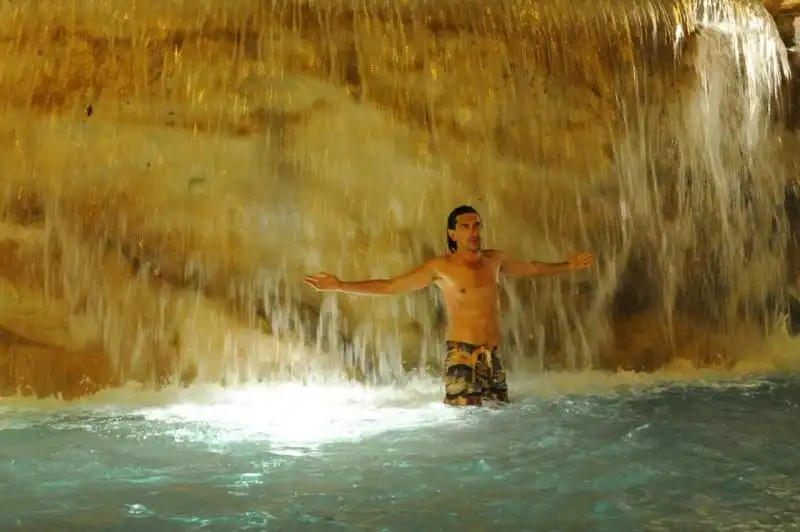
x=173 y=173
x=172 y=170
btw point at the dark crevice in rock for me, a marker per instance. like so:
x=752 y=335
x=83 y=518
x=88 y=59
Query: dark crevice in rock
x=8 y=338
x=793 y=323
x=22 y=207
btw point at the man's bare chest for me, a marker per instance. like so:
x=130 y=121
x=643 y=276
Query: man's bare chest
x=470 y=280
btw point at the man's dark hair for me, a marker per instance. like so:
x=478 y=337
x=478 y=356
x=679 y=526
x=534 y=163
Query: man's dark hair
x=451 y=224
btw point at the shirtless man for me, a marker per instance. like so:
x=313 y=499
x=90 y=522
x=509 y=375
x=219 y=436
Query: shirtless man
x=467 y=277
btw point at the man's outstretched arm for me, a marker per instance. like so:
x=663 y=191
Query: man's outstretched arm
x=414 y=280
x=518 y=268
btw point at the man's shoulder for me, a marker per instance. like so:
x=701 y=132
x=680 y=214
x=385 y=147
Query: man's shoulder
x=436 y=262
x=494 y=254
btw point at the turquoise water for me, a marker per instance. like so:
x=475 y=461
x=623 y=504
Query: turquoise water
x=651 y=456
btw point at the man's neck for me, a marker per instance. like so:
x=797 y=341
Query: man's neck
x=466 y=255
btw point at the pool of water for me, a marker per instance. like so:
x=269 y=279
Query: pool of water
x=705 y=454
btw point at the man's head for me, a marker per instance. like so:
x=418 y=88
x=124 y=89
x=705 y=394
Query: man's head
x=464 y=229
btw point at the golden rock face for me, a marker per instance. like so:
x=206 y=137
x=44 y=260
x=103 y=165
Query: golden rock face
x=173 y=170
x=782 y=6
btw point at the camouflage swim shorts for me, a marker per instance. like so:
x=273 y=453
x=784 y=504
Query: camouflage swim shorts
x=473 y=374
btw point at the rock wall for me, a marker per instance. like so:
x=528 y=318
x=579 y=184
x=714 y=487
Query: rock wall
x=172 y=171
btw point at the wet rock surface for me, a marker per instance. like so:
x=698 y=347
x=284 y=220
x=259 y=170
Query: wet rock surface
x=172 y=172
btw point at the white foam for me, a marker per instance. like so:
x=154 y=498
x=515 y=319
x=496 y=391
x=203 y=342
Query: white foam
x=300 y=415
x=290 y=414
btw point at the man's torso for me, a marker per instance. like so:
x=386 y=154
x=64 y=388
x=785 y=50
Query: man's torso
x=471 y=298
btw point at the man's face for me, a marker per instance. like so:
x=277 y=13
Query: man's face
x=467 y=233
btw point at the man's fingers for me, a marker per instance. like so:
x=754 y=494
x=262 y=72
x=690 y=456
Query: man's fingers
x=582 y=260
x=320 y=281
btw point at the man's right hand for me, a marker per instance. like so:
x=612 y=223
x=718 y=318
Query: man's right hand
x=324 y=281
